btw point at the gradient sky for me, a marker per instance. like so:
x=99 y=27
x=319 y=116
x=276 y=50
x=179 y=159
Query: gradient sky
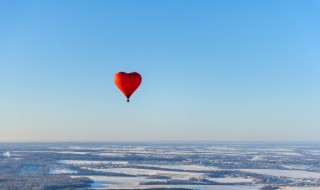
x=212 y=70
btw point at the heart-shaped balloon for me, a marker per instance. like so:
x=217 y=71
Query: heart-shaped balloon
x=127 y=82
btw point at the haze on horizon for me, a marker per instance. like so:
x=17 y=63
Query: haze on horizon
x=212 y=70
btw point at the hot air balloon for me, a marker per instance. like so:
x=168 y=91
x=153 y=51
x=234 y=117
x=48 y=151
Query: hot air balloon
x=127 y=82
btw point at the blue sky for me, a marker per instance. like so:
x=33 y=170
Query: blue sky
x=212 y=70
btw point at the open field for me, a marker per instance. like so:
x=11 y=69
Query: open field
x=146 y=166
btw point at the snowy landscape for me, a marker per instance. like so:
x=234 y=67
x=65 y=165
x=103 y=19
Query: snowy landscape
x=160 y=166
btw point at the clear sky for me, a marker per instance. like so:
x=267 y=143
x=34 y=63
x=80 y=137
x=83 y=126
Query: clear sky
x=212 y=70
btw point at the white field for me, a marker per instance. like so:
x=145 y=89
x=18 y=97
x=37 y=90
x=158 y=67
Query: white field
x=72 y=152
x=111 y=154
x=62 y=171
x=87 y=162
x=135 y=171
x=33 y=151
x=284 y=173
x=278 y=151
x=257 y=158
x=116 y=181
x=183 y=167
x=287 y=153
x=299 y=188
x=84 y=148
x=51 y=151
x=296 y=167
x=313 y=152
x=274 y=149
x=232 y=180
x=133 y=183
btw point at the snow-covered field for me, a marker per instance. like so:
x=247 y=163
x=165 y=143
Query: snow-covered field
x=184 y=167
x=117 y=182
x=313 y=152
x=296 y=167
x=52 y=151
x=136 y=171
x=285 y=173
x=89 y=162
x=196 y=164
x=133 y=182
x=299 y=188
x=62 y=171
x=231 y=180
x=71 y=152
x=111 y=154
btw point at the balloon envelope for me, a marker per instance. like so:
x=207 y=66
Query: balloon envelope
x=127 y=82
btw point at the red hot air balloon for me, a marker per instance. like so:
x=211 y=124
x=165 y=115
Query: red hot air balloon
x=127 y=82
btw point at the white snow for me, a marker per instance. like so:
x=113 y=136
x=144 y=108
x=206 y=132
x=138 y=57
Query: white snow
x=111 y=154
x=135 y=171
x=184 y=167
x=62 y=171
x=72 y=152
x=257 y=158
x=299 y=188
x=6 y=154
x=85 y=148
x=296 y=167
x=113 y=182
x=285 y=173
x=313 y=152
x=232 y=180
x=87 y=162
